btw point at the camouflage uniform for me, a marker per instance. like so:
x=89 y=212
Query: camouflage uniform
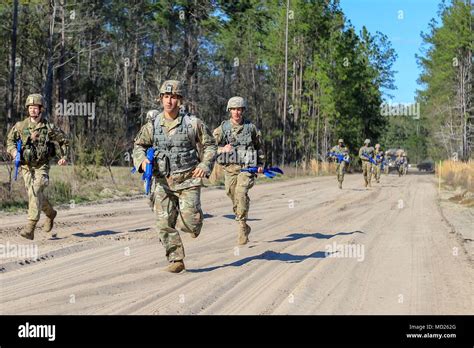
x=366 y=165
x=379 y=157
x=246 y=141
x=174 y=191
x=340 y=166
x=402 y=163
x=35 y=157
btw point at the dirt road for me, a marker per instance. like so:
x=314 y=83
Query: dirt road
x=314 y=249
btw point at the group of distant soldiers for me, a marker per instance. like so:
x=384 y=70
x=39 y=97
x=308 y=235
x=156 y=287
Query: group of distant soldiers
x=373 y=160
x=185 y=153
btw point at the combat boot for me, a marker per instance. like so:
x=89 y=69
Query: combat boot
x=340 y=185
x=176 y=266
x=29 y=231
x=244 y=231
x=48 y=225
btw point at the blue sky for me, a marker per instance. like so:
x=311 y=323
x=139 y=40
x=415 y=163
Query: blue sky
x=404 y=34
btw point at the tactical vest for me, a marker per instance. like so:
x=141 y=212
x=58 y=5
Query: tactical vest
x=369 y=151
x=243 y=150
x=340 y=150
x=378 y=156
x=37 y=152
x=177 y=152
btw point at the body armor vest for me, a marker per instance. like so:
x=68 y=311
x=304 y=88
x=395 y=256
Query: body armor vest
x=369 y=151
x=243 y=150
x=40 y=151
x=176 y=152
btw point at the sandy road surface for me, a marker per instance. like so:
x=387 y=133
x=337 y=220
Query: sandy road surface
x=314 y=249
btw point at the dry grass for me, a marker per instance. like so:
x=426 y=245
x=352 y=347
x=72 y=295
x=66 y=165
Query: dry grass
x=68 y=184
x=458 y=176
x=91 y=183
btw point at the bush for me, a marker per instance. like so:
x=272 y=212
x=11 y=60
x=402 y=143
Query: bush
x=59 y=191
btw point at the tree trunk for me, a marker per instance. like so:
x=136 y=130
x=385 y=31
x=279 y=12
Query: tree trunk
x=11 y=93
x=48 y=87
x=285 y=85
x=61 y=70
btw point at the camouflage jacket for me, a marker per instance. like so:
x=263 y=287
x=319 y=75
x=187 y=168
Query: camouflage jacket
x=204 y=142
x=379 y=153
x=340 y=150
x=236 y=129
x=50 y=142
x=367 y=150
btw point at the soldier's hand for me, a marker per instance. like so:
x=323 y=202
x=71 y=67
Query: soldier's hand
x=227 y=148
x=144 y=163
x=260 y=170
x=14 y=154
x=198 y=173
x=35 y=136
x=62 y=162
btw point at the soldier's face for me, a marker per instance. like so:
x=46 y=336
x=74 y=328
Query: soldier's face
x=34 y=112
x=170 y=103
x=236 y=114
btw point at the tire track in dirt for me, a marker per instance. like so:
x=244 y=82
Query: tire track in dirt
x=284 y=270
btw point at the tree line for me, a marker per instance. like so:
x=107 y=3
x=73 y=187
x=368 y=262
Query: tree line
x=309 y=77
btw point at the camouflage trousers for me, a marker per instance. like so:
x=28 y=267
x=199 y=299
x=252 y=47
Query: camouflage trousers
x=367 y=171
x=168 y=206
x=377 y=171
x=401 y=170
x=340 y=170
x=36 y=180
x=237 y=186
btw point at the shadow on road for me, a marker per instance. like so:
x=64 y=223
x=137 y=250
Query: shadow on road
x=56 y=238
x=95 y=234
x=231 y=216
x=268 y=255
x=296 y=236
x=139 y=229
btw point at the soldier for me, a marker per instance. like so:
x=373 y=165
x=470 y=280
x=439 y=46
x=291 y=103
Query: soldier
x=340 y=149
x=184 y=153
x=379 y=157
x=401 y=162
x=239 y=146
x=405 y=163
x=38 y=137
x=365 y=153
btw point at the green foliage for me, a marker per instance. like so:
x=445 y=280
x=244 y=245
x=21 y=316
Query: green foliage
x=59 y=191
x=409 y=134
x=446 y=97
x=88 y=160
x=117 y=53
